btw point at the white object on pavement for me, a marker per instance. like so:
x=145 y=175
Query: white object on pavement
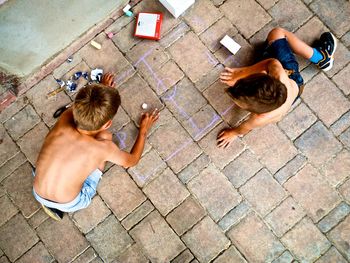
x=230 y=44
x=126 y=8
x=144 y=106
x=95 y=44
x=177 y=7
x=96 y=73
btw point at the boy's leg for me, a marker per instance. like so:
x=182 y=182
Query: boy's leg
x=321 y=55
x=298 y=46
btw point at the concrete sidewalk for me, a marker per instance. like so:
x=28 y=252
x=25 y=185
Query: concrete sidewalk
x=279 y=194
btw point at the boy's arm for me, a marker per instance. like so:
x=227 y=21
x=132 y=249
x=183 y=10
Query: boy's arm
x=130 y=159
x=227 y=136
x=232 y=75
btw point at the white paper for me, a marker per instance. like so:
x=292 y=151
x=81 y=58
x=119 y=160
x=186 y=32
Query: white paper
x=177 y=7
x=146 y=24
x=230 y=44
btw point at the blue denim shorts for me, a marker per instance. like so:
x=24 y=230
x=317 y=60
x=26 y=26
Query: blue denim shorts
x=81 y=201
x=280 y=50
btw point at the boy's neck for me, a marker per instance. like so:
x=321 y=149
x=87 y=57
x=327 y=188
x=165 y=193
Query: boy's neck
x=89 y=133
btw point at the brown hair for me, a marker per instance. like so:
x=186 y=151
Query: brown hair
x=94 y=106
x=260 y=92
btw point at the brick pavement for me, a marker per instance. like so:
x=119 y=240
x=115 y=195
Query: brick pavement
x=280 y=194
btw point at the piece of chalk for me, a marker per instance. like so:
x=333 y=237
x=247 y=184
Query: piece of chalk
x=110 y=35
x=230 y=44
x=126 y=8
x=95 y=44
x=128 y=13
x=144 y=106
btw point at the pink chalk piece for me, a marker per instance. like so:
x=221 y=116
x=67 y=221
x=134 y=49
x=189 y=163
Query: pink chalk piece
x=110 y=35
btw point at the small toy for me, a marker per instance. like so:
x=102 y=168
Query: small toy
x=144 y=106
x=96 y=74
x=77 y=75
x=85 y=75
x=71 y=86
x=60 y=110
x=60 y=82
x=230 y=44
x=95 y=44
x=127 y=11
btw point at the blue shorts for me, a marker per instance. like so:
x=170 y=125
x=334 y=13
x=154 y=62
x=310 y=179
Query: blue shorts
x=81 y=201
x=280 y=50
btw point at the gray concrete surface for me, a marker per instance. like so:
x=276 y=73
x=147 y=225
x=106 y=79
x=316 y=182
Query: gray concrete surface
x=33 y=31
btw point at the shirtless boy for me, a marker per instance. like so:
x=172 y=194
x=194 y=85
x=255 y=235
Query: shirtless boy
x=74 y=153
x=269 y=88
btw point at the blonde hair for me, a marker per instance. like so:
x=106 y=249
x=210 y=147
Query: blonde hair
x=94 y=106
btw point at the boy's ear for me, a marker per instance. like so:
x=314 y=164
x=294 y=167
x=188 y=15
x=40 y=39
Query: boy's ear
x=106 y=125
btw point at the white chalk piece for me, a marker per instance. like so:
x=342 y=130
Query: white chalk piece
x=95 y=44
x=126 y=8
x=177 y=7
x=127 y=11
x=144 y=106
x=230 y=44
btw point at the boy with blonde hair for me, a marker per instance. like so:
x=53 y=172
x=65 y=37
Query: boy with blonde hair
x=75 y=151
x=269 y=88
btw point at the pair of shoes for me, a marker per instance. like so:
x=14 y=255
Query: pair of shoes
x=53 y=213
x=326 y=45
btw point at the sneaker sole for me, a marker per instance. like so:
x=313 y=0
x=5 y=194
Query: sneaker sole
x=50 y=213
x=332 y=59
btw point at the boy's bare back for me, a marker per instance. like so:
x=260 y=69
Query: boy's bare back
x=66 y=160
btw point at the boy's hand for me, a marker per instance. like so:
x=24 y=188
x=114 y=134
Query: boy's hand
x=108 y=79
x=230 y=76
x=226 y=137
x=147 y=120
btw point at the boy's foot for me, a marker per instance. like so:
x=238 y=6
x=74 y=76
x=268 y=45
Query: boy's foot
x=53 y=213
x=326 y=45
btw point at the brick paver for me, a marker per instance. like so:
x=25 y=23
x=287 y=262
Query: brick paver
x=67 y=243
x=21 y=193
x=166 y=192
x=37 y=254
x=206 y=240
x=16 y=237
x=279 y=194
x=23 y=121
x=185 y=215
x=290 y=19
x=214 y=192
x=263 y=192
x=332 y=255
x=120 y=192
x=109 y=239
x=90 y=217
x=255 y=241
x=151 y=232
x=310 y=189
x=340 y=237
x=318 y=144
x=284 y=217
x=306 y=241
